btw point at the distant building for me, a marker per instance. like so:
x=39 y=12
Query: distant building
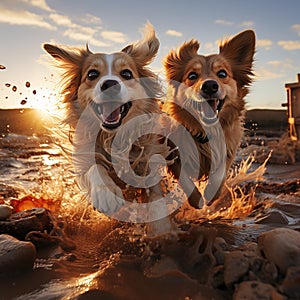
x=293 y=108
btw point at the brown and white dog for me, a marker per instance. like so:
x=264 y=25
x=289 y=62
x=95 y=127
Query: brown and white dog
x=207 y=90
x=103 y=93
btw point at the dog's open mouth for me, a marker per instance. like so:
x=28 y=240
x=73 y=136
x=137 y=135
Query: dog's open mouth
x=215 y=107
x=208 y=108
x=111 y=113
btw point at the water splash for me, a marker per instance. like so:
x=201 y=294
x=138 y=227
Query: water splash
x=235 y=201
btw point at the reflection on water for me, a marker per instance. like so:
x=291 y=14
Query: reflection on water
x=113 y=260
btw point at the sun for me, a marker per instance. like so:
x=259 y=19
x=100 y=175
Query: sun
x=46 y=100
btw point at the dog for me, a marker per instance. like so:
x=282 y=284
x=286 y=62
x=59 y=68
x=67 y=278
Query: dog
x=109 y=101
x=206 y=91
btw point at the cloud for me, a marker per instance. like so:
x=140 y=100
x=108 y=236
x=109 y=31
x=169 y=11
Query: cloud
x=211 y=47
x=265 y=73
x=24 y=18
x=174 y=33
x=266 y=44
x=39 y=3
x=114 y=36
x=85 y=35
x=274 y=69
x=289 y=45
x=296 y=27
x=78 y=32
x=91 y=19
x=224 y=22
x=61 y=20
x=247 y=24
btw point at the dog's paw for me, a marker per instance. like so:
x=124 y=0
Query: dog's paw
x=107 y=199
x=104 y=194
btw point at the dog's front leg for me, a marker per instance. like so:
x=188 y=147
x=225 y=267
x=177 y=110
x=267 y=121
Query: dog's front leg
x=158 y=212
x=104 y=194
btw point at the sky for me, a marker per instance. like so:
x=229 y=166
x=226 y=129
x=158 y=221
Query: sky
x=108 y=26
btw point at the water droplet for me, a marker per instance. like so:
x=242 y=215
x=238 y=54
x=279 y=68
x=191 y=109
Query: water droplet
x=2 y=67
x=34 y=92
x=7 y=84
x=14 y=88
x=27 y=84
x=23 y=102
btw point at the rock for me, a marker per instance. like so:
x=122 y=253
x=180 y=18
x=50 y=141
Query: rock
x=268 y=272
x=216 y=277
x=282 y=247
x=256 y=263
x=5 y=211
x=273 y=217
x=291 y=284
x=250 y=247
x=236 y=265
x=15 y=255
x=220 y=248
x=20 y=223
x=220 y=244
x=256 y=290
x=220 y=256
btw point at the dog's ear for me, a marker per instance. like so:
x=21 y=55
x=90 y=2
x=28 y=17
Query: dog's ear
x=175 y=62
x=70 y=61
x=67 y=56
x=144 y=51
x=239 y=51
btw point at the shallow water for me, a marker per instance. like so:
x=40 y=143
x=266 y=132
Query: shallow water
x=110 y=260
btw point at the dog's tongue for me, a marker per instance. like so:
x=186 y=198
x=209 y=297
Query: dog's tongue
x=209 y=108
x=111 y=113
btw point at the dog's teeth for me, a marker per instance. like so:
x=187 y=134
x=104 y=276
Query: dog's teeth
x=110 y=123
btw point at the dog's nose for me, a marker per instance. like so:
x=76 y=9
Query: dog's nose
x=210 y=87
x=111 y=87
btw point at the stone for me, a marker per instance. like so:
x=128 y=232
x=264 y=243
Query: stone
x=236 y=265
x=256 y=290
x=220 y=248
x=273 y=217
x=20 y=223
x=220 y=244
x=220 y=256
x=256 y=263
x=5 y=211
x=268 y=272
x=291 y=283
x=216 y=277
x=281 y=246
x=250 y=247
x=15 y=255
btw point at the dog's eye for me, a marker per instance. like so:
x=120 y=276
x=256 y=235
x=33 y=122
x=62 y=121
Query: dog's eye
x=93 y=74
x=192 y=76
x=126 y=74
x=222 y=74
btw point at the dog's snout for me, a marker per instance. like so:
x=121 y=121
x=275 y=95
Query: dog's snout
x=111 y=87
x=210 y=87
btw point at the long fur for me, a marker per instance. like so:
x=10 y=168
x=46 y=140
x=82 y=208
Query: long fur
x=93 y=143
x=236 y=57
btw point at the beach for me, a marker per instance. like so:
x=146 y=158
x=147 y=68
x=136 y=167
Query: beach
x=246 y=247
